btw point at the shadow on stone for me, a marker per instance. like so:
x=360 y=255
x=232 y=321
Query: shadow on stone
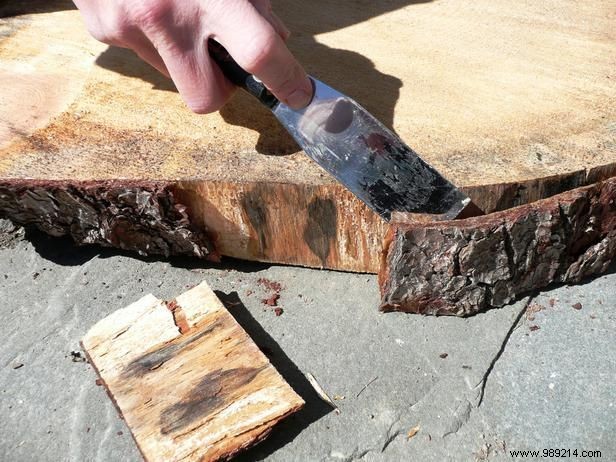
x=314 y=409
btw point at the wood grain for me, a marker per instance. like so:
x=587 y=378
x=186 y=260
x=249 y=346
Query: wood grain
x=461 y=267
x=201 y=394
x=512 y=101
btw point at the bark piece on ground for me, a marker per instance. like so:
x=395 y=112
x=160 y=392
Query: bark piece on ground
x=139 y=216
x=461 y=267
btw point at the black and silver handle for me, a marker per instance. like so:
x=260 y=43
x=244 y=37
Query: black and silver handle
x=239 y=76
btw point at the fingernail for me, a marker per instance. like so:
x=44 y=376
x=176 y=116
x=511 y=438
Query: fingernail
x=301 y=97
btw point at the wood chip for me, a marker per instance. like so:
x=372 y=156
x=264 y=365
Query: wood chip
x=324 y=396
x=412 y=432
x=189 y=382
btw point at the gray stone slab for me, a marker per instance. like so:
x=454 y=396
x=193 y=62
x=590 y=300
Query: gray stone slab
x=388 y=371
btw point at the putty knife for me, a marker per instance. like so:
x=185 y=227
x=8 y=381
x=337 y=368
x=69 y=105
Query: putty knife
x=357 y=149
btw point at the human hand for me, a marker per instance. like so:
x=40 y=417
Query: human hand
x=172 y=36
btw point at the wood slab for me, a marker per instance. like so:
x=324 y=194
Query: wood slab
x=189 y=382
x=512 y=101
x=461 y=267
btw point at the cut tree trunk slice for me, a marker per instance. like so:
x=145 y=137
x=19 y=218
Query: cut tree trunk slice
x=189 y=382
x=524 y=109
x=461 y=267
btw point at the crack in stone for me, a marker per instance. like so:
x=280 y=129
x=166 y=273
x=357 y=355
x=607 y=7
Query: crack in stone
x=516 y=321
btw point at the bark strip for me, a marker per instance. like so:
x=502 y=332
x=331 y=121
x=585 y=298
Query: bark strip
x=137 y=216
x=461 y=267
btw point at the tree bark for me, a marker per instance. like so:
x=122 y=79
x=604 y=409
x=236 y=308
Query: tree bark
x=461 y=267
x=138 y=216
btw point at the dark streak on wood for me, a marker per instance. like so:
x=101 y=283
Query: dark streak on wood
x=137 y=216
x=154 y=359
x=214 y=391
x=461 y=267
x=256 y=211
x=320 y=231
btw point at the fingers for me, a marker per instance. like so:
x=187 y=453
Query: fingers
x=146 y=51
x=280 y=27
x=257 y=47
x=198 y=79
x=177 y=37
x=113 y=26
x=172 y=36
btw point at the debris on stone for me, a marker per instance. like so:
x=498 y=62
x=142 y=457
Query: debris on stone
x=483 y=453
x=532 y=309
x=268 y=284
x=577 y=306
x=365 y=386
x=77 y=357
x=339 y=397
x=412 y=432
x=443 y=355
x=324 y=396
x=278 y=311
x=551 y=302
x=10 y=234
x=17 y=365
x=533 y=328
x=98 y=382
x=272 y=300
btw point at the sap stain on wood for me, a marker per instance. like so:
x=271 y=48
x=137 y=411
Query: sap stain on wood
x=321 y=227
x=209 y=396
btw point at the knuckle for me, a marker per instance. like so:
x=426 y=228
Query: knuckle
x=289 y=79
x=260 y=52
x=149 y=14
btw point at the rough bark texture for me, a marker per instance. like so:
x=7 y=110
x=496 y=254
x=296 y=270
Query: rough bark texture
x=143 y=217
x=461 y=267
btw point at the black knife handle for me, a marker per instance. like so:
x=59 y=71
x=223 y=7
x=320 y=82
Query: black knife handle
x=239 y=76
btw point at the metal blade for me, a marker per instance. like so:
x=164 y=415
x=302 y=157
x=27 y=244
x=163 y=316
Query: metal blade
x=371 y=161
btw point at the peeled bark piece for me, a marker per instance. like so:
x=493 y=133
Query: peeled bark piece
x=461 y=267
x=143 y=217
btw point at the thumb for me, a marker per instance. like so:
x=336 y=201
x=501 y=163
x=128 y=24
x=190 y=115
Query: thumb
x=256 y=46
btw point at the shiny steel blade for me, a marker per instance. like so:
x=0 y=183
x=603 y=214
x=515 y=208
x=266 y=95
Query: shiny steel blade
x=371 y=161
